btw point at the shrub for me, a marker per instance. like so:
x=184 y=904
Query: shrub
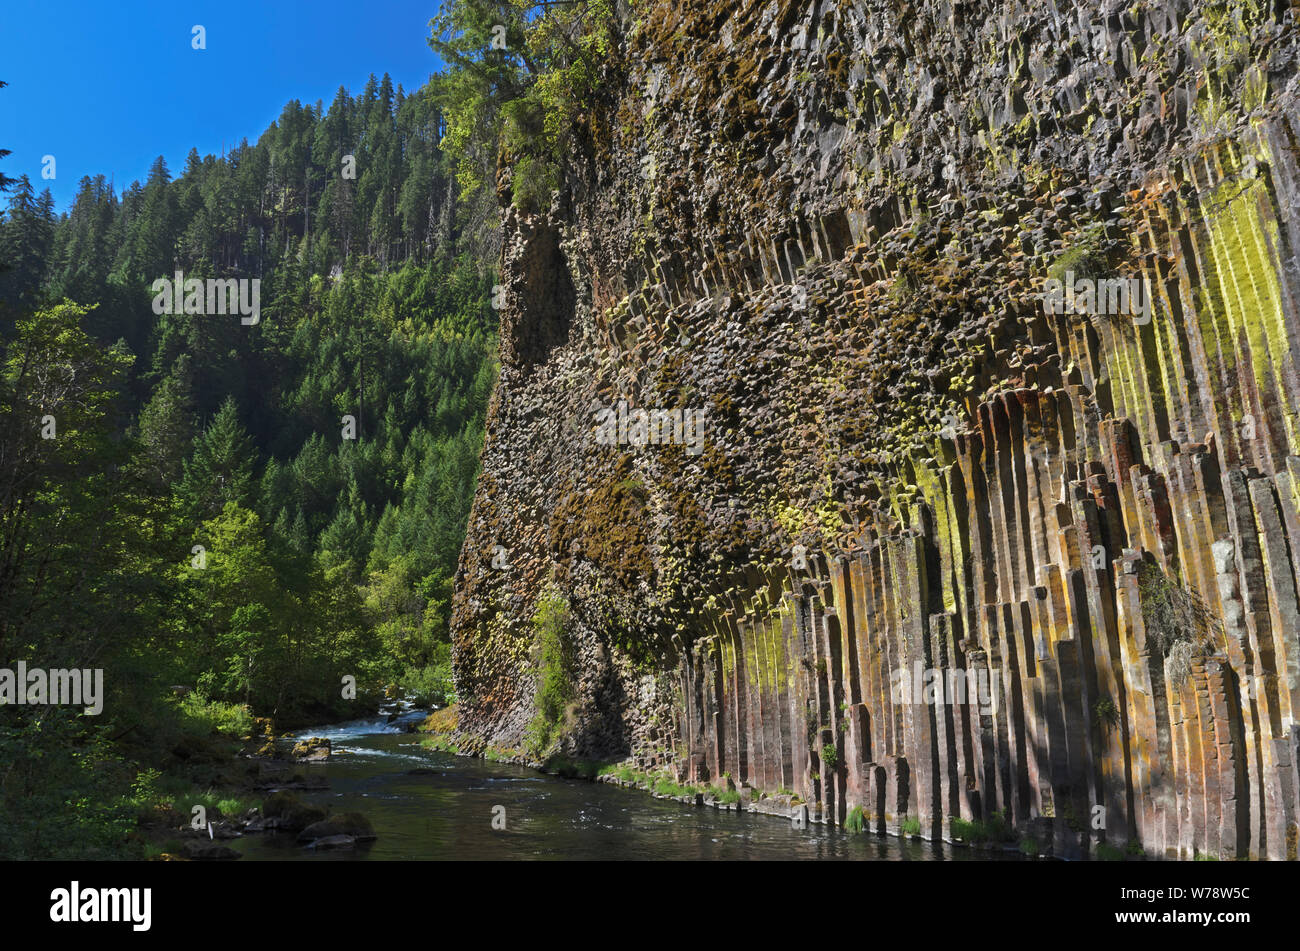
x=216 y=806
x=967 y=831
x=669 y=787
x=525 y=98
x=997 y=829
x=440 y=744
x=623 y=773
x=830 y=756
x=1086 y=258
x=994 y=831
x=1106 y=852
x=1106 y=713
x=573 y=768
x=911 y=826
x=205 y=717
x=442 y=721
x=554 y=689
x=856 y=821
x=1177 y=622
x=431 y=685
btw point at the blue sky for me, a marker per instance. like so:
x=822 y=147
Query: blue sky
x=106 y=87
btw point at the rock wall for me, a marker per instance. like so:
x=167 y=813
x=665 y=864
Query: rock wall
x=829 y=230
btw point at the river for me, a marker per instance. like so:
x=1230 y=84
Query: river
x=445 y=811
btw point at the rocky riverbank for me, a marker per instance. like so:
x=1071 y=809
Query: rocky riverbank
x=273 y=771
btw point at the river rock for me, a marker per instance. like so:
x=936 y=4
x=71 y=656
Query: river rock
x=215 y=829
x=277 y=775
x=291 y=814
x=352 y=824
x=202 y=851
x=336 y=843
x=312 y=750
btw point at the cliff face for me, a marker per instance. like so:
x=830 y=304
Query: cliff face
x=822 y=232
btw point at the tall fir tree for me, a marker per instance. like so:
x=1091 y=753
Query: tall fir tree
x=220 y=470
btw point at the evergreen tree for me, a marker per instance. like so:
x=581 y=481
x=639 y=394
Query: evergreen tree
x=220 y=470
x=167 y=428
x=26 y=234
x=5 y=180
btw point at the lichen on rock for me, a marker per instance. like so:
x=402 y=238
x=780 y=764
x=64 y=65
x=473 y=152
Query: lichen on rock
x=828 y=228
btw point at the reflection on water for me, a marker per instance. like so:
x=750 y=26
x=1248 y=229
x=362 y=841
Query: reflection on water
x=427 y=805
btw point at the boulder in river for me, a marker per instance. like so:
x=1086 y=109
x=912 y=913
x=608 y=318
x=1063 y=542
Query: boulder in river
x=263 y=774
x=290 y=813
x=352 y=824
x=312 y=750
x=216 y=829
x=334 y=842
x=208 y=851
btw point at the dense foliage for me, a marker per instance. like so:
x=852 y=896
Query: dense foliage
x=235 y=513
x=520 y=80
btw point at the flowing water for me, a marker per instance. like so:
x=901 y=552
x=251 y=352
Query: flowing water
x=444 y=810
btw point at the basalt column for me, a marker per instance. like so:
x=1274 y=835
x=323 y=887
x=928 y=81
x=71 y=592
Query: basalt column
x=990 y=315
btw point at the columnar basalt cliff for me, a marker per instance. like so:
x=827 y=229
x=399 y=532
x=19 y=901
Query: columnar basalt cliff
x=829 y=228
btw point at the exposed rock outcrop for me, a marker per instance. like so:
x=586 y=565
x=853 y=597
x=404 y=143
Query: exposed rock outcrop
x=827 y=231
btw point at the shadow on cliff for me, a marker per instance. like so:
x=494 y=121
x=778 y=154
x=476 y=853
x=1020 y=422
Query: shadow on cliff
x=541 y=298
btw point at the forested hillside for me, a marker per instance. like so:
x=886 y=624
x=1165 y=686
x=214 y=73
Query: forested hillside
x=232 y=517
